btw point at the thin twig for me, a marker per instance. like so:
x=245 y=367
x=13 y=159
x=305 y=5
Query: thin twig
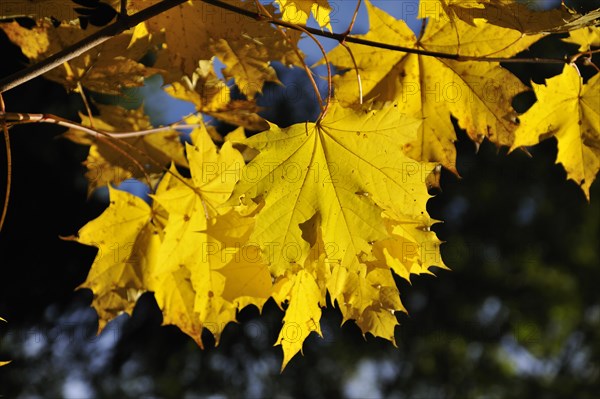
x=353 y=20
x=20 y=118
x=123 y=9
x=8 y=164
x=286 y=37
x=86 y=104
x=343 y=44
x=358 y=79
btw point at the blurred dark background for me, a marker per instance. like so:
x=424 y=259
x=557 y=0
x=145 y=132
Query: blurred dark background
x=518 y=316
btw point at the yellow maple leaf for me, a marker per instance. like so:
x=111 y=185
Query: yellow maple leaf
x=302 y=315
x=204 y=89
x=570 y=111
x=222 y=274
x=211 y=96
x=298 y=11
x=106 y=68
x=336 y=198
x=121 y=233
x=412 y=248
x=342 y=169
x=111 y=161
x=478 y=94
x=587 y=37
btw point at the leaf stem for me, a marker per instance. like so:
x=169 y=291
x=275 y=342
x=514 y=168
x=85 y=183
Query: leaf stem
x=8 y=165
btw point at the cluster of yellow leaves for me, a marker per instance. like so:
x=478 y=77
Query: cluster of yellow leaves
x=321 y=210
x=477 y=94
x=432 y=89
x=185 y=248
x=329 y=209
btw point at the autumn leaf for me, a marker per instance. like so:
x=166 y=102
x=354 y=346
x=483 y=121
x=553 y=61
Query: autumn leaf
x=186 y=248
x=210 y=95
x=514 y=14
x=106 y=68
x=478 y=94
x=326 y=190
x=298 y=11
x=192 y=253
x=302 y=315
x=411 y=247
x=245 y=46
x=204 y=89
x=112 y=160
x=586 y=38
x=335 y=169
x=61 y=10
x=569 y=110
x=121 y=233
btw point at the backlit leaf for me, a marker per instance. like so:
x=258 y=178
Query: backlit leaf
x=569 y=110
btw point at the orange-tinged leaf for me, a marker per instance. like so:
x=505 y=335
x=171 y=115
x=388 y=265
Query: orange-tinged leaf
x=570 y=111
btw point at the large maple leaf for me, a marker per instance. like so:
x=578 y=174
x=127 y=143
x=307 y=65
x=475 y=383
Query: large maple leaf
x=569 y=110
x=340 y=169
x=478 y=94
x=330 y=190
